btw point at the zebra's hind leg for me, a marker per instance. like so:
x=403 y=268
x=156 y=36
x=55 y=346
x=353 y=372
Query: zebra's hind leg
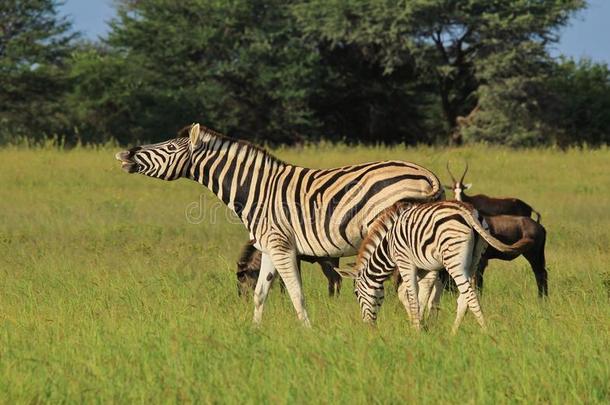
x=434 y=303
x=426 y=281
x=263 y=284
x=285 y=261
x=467 y=298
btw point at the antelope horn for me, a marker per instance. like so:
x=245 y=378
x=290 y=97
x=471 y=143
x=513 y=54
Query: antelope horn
x=464 y=175
x=452 y=178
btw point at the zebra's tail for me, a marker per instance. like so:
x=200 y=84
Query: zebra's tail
x=516 y=247
x=438 y=191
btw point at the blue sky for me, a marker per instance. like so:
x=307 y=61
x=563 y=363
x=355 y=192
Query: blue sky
x=587 y=36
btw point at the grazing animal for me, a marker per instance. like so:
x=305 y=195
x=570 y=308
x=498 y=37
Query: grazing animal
x=423 y=237
x=249 y=265
x=288 y=210
x=510 y=229
x=488 y=205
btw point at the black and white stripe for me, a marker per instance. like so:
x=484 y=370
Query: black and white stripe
x=423 y=238
x=288 y=209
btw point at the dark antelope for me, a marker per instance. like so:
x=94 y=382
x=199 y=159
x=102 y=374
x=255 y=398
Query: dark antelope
x=510 y=229
x=489 y=205
x=249 y=266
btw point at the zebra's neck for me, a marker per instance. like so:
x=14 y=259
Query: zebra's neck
x=234 y=171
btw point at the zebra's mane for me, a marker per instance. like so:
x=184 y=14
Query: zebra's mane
x=378 y=229
x=184 y=132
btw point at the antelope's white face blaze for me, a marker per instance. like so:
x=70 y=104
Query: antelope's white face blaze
x=458 y=189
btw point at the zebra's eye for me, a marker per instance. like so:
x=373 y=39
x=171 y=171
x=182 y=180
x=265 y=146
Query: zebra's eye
x=171 y=147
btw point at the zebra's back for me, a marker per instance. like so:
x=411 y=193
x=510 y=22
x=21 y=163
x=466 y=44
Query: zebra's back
x=329 y=211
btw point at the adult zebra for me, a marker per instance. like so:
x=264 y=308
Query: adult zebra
x=288 y=209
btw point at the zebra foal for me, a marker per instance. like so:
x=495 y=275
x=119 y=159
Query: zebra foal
x=423 y=238
x=289 y=210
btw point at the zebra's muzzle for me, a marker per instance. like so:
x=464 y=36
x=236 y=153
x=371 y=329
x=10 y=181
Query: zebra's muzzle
x=126 y=163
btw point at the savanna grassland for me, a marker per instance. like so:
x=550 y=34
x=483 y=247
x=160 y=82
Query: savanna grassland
x=121 y=288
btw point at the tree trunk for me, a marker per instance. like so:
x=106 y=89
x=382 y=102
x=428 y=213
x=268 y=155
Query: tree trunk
x=455 y=135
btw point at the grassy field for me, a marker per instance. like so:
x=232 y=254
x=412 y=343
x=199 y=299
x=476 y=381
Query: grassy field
x=109 y=294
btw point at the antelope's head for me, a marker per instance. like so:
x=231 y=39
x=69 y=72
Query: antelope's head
x=458 y=187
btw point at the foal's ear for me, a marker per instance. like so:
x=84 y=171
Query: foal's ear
x=194 y=135
x=347 y=272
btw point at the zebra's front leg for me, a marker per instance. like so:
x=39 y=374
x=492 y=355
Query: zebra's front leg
x=285 y=261
x=263 y=284
x=408 y=272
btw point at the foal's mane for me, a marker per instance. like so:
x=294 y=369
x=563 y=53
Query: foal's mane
x=380 y=227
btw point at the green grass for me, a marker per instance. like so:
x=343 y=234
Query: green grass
x=108 y=294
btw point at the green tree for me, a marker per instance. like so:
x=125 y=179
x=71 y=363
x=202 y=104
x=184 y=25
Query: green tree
x=34 y=45
x=104 y=97
x=582 y=112
x=455 y=44
x=357 y=102
x=237 y=66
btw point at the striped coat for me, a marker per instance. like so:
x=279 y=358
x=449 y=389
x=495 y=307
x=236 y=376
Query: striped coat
x=419 y=239
x=287 y=209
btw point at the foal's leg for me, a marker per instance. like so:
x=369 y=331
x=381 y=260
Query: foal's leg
x=468 y=298
x=435 y=298
x=426 y=282
x=408 y=271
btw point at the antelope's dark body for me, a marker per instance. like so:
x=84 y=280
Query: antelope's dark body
x=510 y=229
x=489 y=206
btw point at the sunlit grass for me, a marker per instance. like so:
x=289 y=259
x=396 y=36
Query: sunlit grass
x=109 y=293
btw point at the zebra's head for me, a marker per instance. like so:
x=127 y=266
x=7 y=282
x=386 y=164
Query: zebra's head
x=369 y=298
x=167 y=160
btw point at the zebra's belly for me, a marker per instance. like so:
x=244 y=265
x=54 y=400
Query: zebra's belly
x=335 y=249
x=433 y=263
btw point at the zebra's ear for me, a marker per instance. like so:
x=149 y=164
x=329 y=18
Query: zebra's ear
x=347 y=272
x=194 y=135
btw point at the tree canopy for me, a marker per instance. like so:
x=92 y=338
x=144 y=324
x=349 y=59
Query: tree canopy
x=35 y=43
x=404 y=71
